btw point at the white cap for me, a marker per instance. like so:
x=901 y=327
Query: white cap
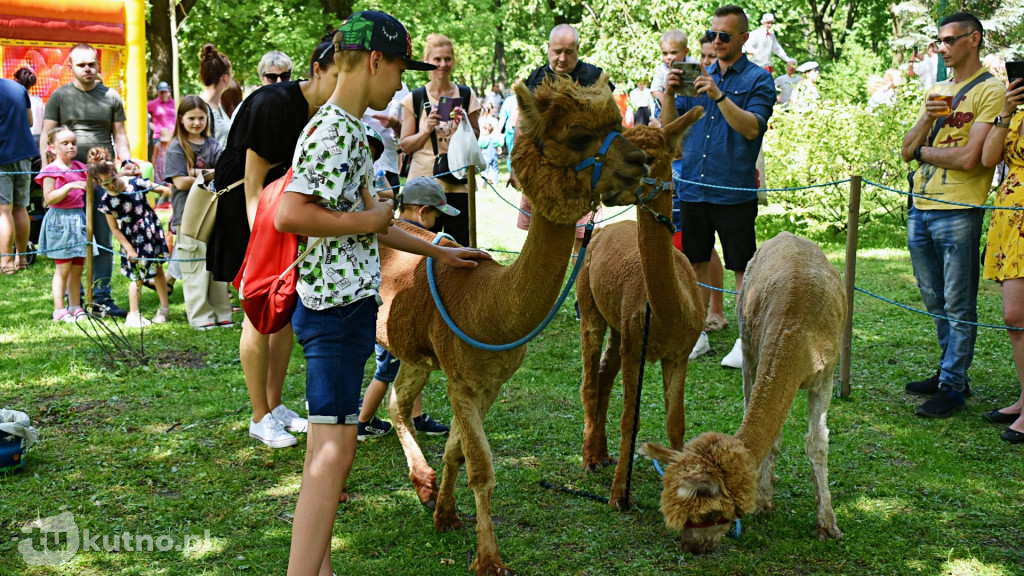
x=768 y=17
x=807 y=67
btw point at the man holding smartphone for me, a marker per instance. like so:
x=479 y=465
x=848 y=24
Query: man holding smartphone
x=721 y=150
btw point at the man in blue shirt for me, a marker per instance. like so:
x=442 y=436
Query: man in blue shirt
x=718 y=192
x=17 y=148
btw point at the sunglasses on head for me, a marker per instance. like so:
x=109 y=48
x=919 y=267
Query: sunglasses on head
x=710 y=35
x=275 y=78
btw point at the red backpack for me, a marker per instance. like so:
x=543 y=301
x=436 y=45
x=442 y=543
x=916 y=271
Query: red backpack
x=266 y=281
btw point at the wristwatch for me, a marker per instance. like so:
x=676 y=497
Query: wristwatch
x=1000 y=123
x=917 y=153
x=720 y=98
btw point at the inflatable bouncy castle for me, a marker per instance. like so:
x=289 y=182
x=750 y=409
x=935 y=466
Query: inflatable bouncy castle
x=38 y=34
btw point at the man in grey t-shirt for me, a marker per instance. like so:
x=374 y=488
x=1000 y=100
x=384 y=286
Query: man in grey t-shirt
x=786 y=82
x=95 y=113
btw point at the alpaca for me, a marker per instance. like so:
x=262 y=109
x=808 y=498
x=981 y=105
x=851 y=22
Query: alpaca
x=791 y=314
x=560 y=125
x=628 y=265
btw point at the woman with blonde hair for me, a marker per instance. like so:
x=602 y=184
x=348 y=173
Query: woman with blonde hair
x=425 y=134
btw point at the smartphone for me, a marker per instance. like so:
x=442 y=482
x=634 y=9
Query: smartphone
x=1014 y=70
x=690 y=72
x=445 y=105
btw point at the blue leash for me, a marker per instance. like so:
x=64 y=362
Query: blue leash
x=503 y=347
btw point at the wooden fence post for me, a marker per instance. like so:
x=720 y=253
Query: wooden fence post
x=852 y=226
x=471 y=204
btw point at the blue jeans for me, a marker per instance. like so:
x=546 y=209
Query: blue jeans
x=944 y=250
x=387 y=365
x=102 y=263
x=336 y=342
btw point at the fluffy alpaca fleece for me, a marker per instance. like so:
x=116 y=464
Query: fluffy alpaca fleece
x=559 y=126
x=628 y=265
x=791 y=313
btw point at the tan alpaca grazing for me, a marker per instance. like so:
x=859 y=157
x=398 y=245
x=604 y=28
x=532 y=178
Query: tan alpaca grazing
x=628 y=265
x=560 y=125
x=791 y=313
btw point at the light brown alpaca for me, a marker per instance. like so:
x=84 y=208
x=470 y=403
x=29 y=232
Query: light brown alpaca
x=559 y=126
x=791 y=315
x=628 y=265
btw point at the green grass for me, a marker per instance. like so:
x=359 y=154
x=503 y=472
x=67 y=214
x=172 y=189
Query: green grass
x=163 y=450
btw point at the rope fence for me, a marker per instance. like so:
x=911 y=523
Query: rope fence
x=855 y=183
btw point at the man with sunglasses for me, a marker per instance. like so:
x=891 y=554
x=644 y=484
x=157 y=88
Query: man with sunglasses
x=718 y=187
x=945 y=239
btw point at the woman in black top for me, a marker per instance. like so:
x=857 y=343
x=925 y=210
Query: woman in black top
x=259 y=150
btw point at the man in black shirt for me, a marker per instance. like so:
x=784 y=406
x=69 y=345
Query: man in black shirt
x=563 y=58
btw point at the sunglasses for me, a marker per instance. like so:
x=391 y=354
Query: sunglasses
x=710 y=35
x=109 y=183
x=950 y=40
x=275 y=78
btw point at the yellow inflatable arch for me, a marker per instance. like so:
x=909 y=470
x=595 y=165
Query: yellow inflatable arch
x=38 y=34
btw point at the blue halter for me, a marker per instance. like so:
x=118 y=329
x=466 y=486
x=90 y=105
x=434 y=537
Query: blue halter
x=597 y=160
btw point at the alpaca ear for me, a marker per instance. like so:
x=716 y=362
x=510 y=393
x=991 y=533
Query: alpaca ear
x=531 y=116
x=678 y=128
x=700 y=485
x=653 y=451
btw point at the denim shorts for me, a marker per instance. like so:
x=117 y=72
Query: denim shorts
x=336 y=342
x=387 y=365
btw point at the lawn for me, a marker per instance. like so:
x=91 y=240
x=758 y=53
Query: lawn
x=162 y=451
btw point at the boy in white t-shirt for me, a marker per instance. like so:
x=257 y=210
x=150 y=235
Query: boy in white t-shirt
x=335 y=318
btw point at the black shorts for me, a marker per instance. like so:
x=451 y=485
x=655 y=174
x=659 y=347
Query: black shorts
x=734 y=224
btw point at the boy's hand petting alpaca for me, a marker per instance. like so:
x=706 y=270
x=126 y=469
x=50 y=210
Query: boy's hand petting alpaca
x=459 y=257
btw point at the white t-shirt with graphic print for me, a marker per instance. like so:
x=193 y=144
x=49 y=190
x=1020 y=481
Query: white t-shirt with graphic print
x=331 y=161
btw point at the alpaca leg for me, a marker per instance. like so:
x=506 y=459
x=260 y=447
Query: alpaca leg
x=630 y=373
x=819 y=397
x=407 y=387
x=446 y=516
x=767 y=480
x=469 y=405
x=592 y=330
x=596 y=420
x=674 y=383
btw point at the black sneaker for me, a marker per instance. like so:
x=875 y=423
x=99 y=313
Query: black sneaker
x=373 y=429
x=943 y=404
x=108 y=308
x=426 y=425
x=930 y=386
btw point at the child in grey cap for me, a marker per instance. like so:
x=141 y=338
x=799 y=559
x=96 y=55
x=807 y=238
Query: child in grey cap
x=423 y=192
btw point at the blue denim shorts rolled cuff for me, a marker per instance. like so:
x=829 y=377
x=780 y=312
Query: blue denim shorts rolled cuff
x=945 y=252
x=387 y=365
x=336 y=343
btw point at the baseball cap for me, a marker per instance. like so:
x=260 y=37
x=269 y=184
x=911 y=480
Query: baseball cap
x=768 y=17
x=425 y=191
x=807 y=67
x=163 y=86
x=373 y=30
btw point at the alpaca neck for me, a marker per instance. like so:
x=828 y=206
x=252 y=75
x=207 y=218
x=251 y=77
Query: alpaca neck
x=529 y=287
x=664 y=290
x=766 y=412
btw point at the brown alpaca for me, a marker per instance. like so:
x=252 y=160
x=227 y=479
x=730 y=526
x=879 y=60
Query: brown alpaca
x=791 y=314
x=628 y=265
x=559 y=126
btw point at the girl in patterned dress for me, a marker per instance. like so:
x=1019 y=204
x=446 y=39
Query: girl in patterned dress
x=1004 y=254
x=136 y=227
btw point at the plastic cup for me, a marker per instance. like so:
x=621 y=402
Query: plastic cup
x=943 y=94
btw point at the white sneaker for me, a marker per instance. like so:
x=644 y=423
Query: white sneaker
x=292 y=421
x=701 y=348
x=734 y=359
x=135 y=320
x=271 y=432
x=161 y=315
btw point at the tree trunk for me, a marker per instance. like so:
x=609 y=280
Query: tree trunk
x=159 y=35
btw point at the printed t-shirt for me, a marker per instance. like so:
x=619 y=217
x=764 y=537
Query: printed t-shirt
x=331 y=161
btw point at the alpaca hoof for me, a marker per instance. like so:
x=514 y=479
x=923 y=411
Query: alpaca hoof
x=597 y=463
x=430 y=504
x=446 y=525
x=621 y=504
x=493 y=568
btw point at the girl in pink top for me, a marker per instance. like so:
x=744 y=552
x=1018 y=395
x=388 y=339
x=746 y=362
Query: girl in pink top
x=62 y=236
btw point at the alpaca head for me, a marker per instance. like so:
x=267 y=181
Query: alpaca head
x=706 y=487
x=663 y=145
x=560 y=125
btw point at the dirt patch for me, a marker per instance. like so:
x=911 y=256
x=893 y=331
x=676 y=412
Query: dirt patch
x=178 y=359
